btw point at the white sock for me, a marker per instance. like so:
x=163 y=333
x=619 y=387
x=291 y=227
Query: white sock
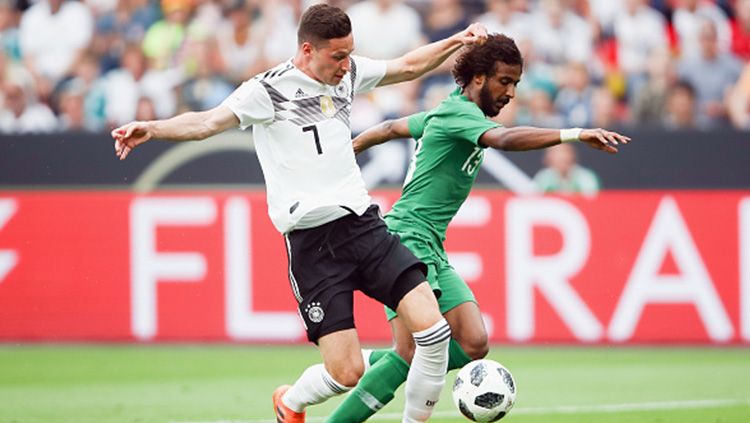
x=313 y=387
x=427 y=373
x=366 y=357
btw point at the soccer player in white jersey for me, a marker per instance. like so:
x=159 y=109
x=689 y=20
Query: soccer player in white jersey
x=336 y=240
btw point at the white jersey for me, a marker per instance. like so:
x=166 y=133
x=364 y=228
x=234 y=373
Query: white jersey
x=303 y=141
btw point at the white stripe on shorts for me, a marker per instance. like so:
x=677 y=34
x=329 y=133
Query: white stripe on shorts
x=292 y=279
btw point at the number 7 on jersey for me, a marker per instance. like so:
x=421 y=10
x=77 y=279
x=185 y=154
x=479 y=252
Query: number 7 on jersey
x=314 y=130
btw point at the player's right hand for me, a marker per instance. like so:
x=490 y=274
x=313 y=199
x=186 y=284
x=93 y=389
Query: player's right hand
x=475 y=33
x=129 y=136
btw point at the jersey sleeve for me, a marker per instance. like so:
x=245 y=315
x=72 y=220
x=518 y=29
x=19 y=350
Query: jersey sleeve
x=466 y=125
x=251 y=104
x=416 y=124
x=367 y=73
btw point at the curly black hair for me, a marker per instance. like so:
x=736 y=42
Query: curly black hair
x=481 y=59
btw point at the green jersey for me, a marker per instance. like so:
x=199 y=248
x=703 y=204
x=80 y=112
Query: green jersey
x=443 y=168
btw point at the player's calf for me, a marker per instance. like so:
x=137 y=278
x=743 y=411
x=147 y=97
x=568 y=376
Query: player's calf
x=405 y=351
x=468 y=332
x=315 y=386
x=421 y=315
x=475 y=348
x=427 y=373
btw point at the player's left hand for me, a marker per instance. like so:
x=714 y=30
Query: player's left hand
x=602 y=139
x=475 y=33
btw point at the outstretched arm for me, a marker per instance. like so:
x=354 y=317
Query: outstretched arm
x=524 y=138
x=185 y=127
x=417 y=62
x=380 y=133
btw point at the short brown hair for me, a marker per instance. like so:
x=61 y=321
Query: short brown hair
x=322 y=22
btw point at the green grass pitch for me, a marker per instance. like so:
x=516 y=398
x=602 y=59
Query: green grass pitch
x=233 y=383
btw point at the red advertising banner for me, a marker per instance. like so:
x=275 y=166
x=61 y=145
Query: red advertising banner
x=624 y=267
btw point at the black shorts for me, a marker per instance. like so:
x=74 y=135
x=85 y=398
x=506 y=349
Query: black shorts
x=329 y=262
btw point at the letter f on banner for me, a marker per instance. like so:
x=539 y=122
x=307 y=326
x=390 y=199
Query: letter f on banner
x=550 y=274
x=148 y=266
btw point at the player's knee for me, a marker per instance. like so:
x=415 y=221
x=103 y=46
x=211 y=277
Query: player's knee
x=419 y=309
x=349 y=374
x=476 y=346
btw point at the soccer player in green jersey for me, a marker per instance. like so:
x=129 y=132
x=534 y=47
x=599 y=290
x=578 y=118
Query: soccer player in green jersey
x=451 y=140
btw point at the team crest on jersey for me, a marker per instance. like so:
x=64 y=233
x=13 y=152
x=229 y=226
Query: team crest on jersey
x=314 y=312
x=327 y=106
x=341 y=90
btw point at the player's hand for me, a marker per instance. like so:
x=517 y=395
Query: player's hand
x=129 y=136
x=602 y=139
x=475 y=33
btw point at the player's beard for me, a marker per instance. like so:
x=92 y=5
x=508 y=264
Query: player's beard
x=486 y=102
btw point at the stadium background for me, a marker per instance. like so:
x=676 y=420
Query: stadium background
x=106 y=265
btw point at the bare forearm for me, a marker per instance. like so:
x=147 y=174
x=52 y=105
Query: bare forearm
x=188 y=126
x=521 y=138
x=378 y=134
x=428 y=57
x=422 y=60
x=524 y=138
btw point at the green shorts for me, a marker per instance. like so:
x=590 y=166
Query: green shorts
x=449 y=287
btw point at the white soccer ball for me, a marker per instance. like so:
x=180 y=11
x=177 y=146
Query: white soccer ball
x=484 y=391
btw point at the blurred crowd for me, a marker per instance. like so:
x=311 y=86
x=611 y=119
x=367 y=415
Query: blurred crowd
x=94 y=64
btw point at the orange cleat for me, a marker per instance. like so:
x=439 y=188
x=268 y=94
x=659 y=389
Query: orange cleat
x=285 y=414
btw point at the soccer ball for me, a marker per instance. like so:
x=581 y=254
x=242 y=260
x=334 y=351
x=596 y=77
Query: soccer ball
x=484 y=391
